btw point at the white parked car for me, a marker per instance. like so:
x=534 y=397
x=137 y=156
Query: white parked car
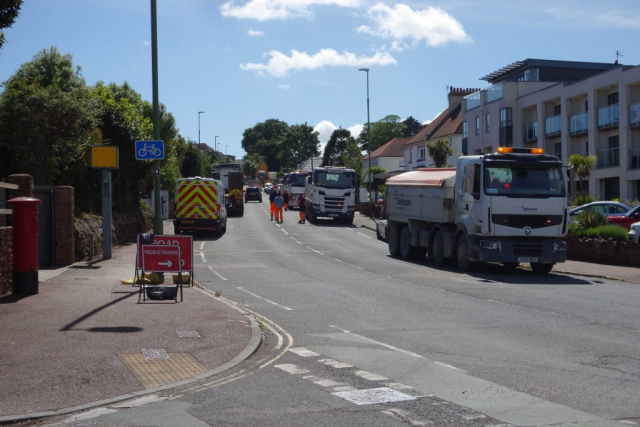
x=267 y=187
x=634 y=232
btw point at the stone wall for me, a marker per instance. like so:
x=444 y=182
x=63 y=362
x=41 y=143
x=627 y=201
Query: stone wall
x=600 y=251
x=64 y=217
x=26 y=186
x=6 y=260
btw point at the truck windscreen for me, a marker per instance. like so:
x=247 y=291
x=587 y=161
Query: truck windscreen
x=334 y=180
x=298 y=180
x=523 y=181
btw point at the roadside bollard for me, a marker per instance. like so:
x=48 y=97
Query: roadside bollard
x=25 y=244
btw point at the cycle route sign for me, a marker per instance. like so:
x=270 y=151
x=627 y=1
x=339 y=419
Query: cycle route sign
x=149 y=150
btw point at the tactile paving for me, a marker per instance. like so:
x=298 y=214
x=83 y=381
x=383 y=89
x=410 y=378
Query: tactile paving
x=158 y=372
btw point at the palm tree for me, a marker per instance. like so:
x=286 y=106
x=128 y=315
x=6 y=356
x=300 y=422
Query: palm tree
x=580 y=165
x=439 y=151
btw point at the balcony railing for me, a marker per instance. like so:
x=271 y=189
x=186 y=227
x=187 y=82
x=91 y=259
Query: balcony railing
x=608 y=117
x=473 y=101
x=495 y=92
x=634 y=159
x=609 y=158
x=530 y=131
x=552 y=125
x=634 y=115
x=579 y=123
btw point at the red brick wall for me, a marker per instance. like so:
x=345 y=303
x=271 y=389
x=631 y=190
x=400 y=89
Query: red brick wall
x=26 y=186
x=65 y=220
x=606 y=252
x=6 y=260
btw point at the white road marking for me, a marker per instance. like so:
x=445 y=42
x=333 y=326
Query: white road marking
x=303 y=352
x=408 y=353
x=335 y=363
x=318 y=252
x=291 y=368
x=297 y=241
x=284 y=231
x=346 y=263
x=264 y=299
x=344 y=388
x=373 y=396
x=369 y=376
x=398 y=386
x=202 y=256
x=368 y=237
x=216 y=273
x=446 y=365
x=202 y=246
x=350 y=230
x=323 y=382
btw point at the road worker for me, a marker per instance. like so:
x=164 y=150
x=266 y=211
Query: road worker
x=285 y=197
x=301 y=206
x=272 y=205
x=279 y=203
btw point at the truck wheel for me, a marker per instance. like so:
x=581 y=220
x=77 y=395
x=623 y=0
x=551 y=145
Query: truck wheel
x=437 y=249
x=312 y=216
x=406 y=250
x=394 y=241
x=511 y=265
x=462 y=254
x=540 y=268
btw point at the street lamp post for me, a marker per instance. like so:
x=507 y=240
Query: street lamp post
x=215 y=145
x=157 y=217
x=199 y=112
x=370 y=177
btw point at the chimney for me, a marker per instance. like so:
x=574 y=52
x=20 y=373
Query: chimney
x=456 y=94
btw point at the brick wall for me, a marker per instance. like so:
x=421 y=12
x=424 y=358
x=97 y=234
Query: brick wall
x=6 y=260
x=64 y=218
x=606 y=252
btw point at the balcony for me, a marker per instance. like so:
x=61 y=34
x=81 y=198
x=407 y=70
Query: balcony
x=579 y=124
x=530 y=132
x=634 y=116
x=634 y=159
x=608 y=158
x=552 y=126
x=473 y=101
x=608 y=117
x=495 y=92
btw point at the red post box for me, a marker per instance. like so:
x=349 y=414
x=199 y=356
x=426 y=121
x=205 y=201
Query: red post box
x=25 y=244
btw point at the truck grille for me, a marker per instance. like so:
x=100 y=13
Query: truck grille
x=527 y=250
x=333 y=204
x=522 y=221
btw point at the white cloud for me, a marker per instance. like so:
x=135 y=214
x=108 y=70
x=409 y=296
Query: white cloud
x=355 y=130
x=264 y=10
x=604 y=17
x=325 y=128
x=280 y=64
x=284 y=86
x=255 y=33
x=433 y=25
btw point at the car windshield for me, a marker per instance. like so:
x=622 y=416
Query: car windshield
x=334 y=179
x=523 y=181
x=298 y=180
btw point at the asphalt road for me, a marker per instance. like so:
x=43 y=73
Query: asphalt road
x=340 y=315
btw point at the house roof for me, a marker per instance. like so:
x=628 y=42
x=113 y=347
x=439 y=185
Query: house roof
x=392 y=148
x=204 y=147
x=451 y=124
x=506 y=70
x=425 y=134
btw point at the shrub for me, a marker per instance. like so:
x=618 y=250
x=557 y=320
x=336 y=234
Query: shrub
x=590 y=218
x=582 y=199
x=610 y=231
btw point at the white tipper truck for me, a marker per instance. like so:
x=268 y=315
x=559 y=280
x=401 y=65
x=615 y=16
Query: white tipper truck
x=330 y=192
x=508 y=207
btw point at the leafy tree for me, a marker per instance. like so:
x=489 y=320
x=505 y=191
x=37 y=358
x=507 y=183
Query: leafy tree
x=382 y=131
x=194 y=163
x=336 y=148
x=439 y=151
x=47 y=114
x=250 y=165
x=9 y=11
x=580 y=165
x=352 y=159
x=413 y=127
x=265 y=139
x=300 y=143
x=377 y=185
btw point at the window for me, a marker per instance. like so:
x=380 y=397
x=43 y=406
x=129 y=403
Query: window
x=487 y=123
x=558 y=150
x=477 y=125
x=505 y=117
x=421 y=153
x=586 y=148
x=471 y=183
x=612 y=98
x=556 y=110
x=614 y=141
x=465 y=130
x=586 y=105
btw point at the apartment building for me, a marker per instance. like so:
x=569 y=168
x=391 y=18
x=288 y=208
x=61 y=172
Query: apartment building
x=566 y=108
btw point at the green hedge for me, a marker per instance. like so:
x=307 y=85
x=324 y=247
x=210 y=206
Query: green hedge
x=606 y=232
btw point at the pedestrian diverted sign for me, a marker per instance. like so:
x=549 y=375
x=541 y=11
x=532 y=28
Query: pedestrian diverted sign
x=149 y=150
x=161 y=258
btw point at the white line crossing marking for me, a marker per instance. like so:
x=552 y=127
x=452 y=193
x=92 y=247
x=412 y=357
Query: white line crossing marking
x=264 y=299
x=291 y=368
x=318 y=252
x=202 y=256
x=417 y=356
x=346 y=263
x=303 y=352
x=285 y=231
x=345 y=388
x=370 y=376
x=216 y=273
x=322 y=382
x=335 y=363
x=202 y=246
x=398 y=386
x=368 y=237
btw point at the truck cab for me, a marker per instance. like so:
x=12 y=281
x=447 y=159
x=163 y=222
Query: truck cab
x=330 y=192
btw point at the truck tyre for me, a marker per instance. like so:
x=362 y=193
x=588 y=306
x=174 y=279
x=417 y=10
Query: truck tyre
x=462 y=254
x=540 y=268
x=394 y=241
x=406 y=250
x=511 y=265
x=312 y=216
x=437 y=249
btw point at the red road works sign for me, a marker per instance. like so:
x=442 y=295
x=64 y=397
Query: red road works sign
x=186 y=249
x=161 y=258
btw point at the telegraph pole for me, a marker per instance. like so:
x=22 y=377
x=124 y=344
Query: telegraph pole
x=157 y=218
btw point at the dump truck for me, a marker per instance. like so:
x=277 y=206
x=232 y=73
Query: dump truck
x=508 y=207
x=295 y=185
x=233 y=180
x=330 y=192
x=200 y=205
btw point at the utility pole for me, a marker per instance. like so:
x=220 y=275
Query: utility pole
x=369 y=175
x=157 y=218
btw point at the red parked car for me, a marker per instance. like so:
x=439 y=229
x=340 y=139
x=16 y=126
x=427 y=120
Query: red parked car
x=626 y=219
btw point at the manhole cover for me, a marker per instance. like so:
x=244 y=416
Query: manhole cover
x=188 y=334
x=373 y=396
x=155 y=354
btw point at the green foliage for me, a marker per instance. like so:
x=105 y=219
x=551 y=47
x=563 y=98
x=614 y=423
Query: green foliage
x=583 y=199
x=195 y=163
x=582 y=166
x=610 y=231
x=336 y=148
x=300 y=142
x=9 y=11
x=589 y=218
x=413 y=127
x=250 y=165
x=382 y=131
x=439 y=151
x=265 y=139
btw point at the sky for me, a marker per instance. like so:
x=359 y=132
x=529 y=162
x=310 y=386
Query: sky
x=245 y=61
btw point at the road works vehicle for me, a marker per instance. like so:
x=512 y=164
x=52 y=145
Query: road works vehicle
x=231 y=176
x=295 y=185
x=200 y=205
x=330 y=192
x=508 y=207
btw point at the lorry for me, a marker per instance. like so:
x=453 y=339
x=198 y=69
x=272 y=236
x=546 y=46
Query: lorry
x=232 y=177
x=200 y=205
x=508 y=207
x=295 y=185
x=330 y=192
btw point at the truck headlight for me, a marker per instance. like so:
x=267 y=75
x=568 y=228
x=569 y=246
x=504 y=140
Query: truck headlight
x=559 y=246
x=490 y=245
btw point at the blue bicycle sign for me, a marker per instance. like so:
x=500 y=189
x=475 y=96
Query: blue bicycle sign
x=149 y=150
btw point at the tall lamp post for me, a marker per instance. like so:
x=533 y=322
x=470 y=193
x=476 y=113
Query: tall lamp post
x=199 y=112
x=157 y=217
x=215 y=146
x=370 y=177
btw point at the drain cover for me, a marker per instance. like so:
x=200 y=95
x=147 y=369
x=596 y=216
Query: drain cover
x=188 y=334
x=373 y=396
x=155 y=354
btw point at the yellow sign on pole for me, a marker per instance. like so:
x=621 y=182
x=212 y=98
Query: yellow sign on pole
x=104 y=157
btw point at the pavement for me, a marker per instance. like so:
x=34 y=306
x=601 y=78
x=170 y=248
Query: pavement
x=79 y=342
x=614 y=272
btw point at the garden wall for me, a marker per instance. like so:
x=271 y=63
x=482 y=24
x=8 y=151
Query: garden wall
x=601 y=251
